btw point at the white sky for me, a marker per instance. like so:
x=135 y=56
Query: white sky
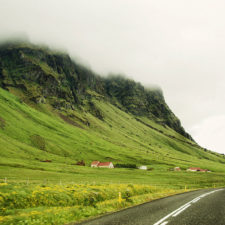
x=176 y=44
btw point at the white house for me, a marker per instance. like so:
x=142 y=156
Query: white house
x=143 y=167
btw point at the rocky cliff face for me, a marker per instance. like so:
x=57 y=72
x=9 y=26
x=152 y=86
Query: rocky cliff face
x=45 y=76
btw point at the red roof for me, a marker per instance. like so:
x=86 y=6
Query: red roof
x=104 y=163
x=194 y=168
x=95 y=163
x=177 y=168
x=198 y=169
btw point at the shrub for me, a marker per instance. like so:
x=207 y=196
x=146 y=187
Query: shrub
x=2 y=123
x=38 y=141
x=126 y=165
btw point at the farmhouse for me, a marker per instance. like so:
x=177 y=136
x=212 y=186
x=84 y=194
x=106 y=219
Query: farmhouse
x=177 y=169
x=202 y=170
x=143 y=167
x=102 y=164
x=95 y=164
x=105 y=165
x=195 y=169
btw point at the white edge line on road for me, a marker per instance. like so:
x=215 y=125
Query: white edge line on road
x=183 y=206
x=164 y=223
x=177 y=213
x=164 y=218
x=197 y=199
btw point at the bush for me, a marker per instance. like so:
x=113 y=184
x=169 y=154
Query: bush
x=38 y=141
x=2 y=123
x=126 y=165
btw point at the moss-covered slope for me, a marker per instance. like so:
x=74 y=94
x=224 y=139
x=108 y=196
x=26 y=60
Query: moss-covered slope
x=45 y=76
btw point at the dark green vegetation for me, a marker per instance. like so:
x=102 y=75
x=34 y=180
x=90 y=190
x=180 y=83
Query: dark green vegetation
x=55 y=112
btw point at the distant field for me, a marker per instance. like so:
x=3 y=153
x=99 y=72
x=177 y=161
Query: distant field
x=83 y=175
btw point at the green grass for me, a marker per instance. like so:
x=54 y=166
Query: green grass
x=31 y=134
x=60 y=204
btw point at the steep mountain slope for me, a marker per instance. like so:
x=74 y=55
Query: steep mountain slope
x=56 y=110
x=49 y=77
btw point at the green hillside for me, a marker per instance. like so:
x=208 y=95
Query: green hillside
x=39 y=75
x=54 y=109
x=28 y=137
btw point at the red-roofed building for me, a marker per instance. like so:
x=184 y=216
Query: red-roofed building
x=102 y=164
x=177 y=169
x=194 y=169
x=95 y=164
x=105 y=165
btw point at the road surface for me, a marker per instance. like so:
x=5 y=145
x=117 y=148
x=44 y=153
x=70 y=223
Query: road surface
x=202 y=207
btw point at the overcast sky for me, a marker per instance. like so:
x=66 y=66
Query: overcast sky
x=178 y=45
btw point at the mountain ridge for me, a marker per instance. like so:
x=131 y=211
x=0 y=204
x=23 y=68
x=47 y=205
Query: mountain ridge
x=45 y=75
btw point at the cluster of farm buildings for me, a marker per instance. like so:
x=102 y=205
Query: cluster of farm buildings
x=98 y=164
x=110 y=165
x=192 y=169
x=102 y=164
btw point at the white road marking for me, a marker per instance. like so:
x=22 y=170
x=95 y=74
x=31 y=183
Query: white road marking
x=164 y=218
x=164 y=223
x=183 y=207
x=197 y=199
x=177 y=213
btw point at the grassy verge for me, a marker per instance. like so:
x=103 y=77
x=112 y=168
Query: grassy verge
x=60 y=204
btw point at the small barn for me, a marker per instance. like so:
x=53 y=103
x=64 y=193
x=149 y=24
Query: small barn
x=143 y=167
x=177 y=169
x=202 y=170
x=194 y=169
x=102 y=164
x=105 y=165
x=95 y=164
x=197 y=169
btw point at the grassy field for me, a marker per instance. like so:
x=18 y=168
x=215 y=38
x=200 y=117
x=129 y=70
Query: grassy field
x=84 y=175
x=31 y=134
x=60 y=204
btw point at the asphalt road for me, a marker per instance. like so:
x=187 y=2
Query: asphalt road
x=203 y=207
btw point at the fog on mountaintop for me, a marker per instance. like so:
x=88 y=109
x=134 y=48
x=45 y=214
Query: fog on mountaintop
x=177 y=45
